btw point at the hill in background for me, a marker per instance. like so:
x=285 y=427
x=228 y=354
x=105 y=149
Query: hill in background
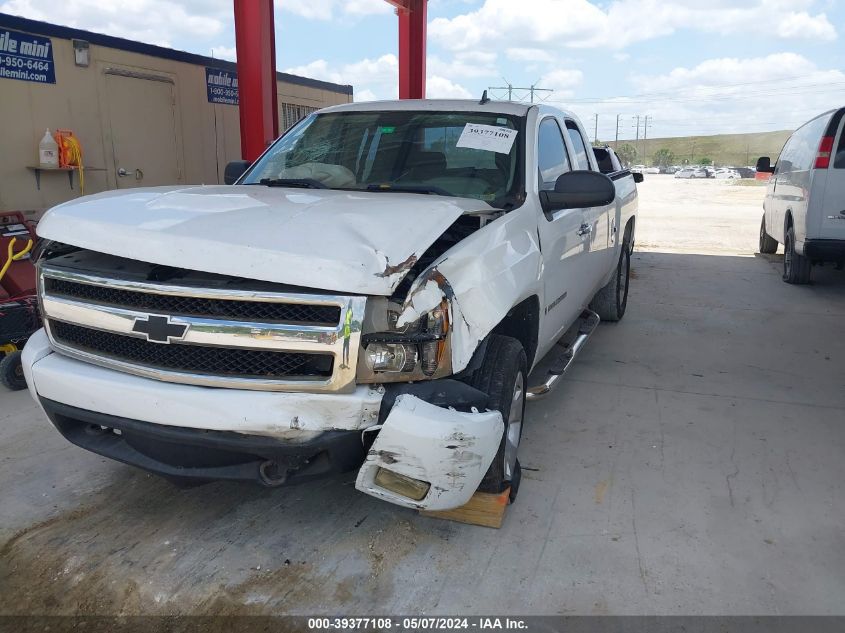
x=722 y=149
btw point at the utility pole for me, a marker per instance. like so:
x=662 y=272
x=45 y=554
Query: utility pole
x=596 y=132
x=645 y=133
x=617 y=131
x=637 y=141
x=530 y=92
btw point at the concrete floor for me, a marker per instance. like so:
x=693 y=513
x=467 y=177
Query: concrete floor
x=691 y=463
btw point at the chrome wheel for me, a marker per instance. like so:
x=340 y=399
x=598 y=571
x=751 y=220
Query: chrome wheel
x=514 y=429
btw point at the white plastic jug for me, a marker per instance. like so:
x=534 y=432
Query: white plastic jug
x=48 y=151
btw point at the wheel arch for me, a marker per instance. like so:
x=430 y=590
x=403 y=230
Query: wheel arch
x=522 y=322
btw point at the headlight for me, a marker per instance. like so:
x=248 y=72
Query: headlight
x=416 y=350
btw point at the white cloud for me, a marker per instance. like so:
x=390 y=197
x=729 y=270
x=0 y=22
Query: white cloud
x=529 y=55
x=378 y=78
x=722 y=95
x=330 y=9
x=224 y=52
x=442 y=88
x=152 y=21
x=561 y=81
x=562 y=24
x=466 y=64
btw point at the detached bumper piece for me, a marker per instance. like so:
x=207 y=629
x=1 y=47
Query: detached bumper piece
x=429 y=457
x=192 y=456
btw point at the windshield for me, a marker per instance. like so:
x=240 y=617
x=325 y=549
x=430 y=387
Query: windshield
x=462 y=154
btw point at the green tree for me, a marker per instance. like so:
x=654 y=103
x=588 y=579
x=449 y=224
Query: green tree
x=663 y=157
x=705 y=161
x=627 y=154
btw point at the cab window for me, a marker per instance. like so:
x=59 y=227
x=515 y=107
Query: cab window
x=552 y=158
x=581 y=161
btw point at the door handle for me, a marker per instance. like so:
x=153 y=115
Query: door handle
x=130 y=172
x=585 y=229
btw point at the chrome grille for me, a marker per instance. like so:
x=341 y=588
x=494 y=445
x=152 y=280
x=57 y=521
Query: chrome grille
x=200 y=306
x=212 y=361
x=229 y=337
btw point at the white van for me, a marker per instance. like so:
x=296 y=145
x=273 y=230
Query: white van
x=804 y=207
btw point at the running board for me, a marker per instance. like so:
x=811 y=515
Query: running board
x=551 y=372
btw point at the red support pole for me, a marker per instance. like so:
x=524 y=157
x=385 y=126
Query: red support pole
x=256 y=50
x=412 y=34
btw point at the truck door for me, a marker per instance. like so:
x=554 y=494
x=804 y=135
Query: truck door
x=563 y=237
x=599 y=254
x=832 y=214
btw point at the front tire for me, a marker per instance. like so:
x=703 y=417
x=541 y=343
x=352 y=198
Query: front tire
x=503 y=376
x=768 y=244
x=796 y=268
x=11 y=372
x=611 y=301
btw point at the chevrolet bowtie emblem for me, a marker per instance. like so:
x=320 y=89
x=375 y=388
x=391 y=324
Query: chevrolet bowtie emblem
x=159 y=329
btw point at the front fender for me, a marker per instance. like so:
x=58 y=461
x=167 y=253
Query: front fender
x=484 y=276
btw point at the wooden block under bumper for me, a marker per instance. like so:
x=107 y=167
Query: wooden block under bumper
x=483 y=508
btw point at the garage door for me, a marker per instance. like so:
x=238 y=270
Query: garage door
x=142 y=125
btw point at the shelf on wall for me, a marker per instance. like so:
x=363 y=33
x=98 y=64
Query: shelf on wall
x=38 y=169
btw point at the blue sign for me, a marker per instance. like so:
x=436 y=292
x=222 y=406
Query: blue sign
x=222 y=86
x=26 y=57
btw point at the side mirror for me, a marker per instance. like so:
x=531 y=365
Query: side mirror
x=638 y=177
x=578 y=190
x=235 y=170
x=764 y=165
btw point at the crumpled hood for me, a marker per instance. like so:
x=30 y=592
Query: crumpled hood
x=360 y=242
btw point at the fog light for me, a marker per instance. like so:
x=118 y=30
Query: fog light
x=402 y=485
x=391 y=356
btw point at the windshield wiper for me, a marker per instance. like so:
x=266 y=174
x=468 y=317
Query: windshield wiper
x=305 y=183
x=410 y=189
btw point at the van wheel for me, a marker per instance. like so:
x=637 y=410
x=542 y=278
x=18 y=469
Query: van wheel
x=503 y=377
x=611 y=301
x=796 y=268
x=768 y=244
x=11 y=372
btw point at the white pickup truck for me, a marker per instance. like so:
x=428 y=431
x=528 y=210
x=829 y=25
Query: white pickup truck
x=372 y=293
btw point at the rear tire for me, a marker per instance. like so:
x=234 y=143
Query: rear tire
x=796 y=268
x=11 y=372
x=768 y=244
x=503 y=376
x=611 y=301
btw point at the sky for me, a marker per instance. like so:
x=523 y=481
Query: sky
x=690 y=66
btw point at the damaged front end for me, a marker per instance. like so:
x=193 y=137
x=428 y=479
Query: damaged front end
x=430 y=457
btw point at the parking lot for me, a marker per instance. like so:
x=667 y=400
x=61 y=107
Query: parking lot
x=690 y=463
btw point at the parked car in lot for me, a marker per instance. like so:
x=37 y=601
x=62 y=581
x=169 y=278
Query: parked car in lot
x=651 y=170
x=726 y=174
x=380 y=291
x=639 y=169
x=691 y=172
x=804 y=208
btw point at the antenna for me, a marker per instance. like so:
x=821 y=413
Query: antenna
x=484 y=98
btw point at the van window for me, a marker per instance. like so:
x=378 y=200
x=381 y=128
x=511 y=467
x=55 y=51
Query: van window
x=839 y=156
x=581 y=160
x=799 y=154
x=552 y=158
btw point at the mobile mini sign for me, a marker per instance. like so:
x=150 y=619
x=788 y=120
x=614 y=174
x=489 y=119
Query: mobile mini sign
x=222 y=86
x=26 y=57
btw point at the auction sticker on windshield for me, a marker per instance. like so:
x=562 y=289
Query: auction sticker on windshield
x=489 y=138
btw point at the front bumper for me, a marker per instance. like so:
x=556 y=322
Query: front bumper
x=189 y=433
x=193 y=455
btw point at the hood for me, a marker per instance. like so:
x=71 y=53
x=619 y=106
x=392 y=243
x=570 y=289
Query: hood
x=359 y=242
